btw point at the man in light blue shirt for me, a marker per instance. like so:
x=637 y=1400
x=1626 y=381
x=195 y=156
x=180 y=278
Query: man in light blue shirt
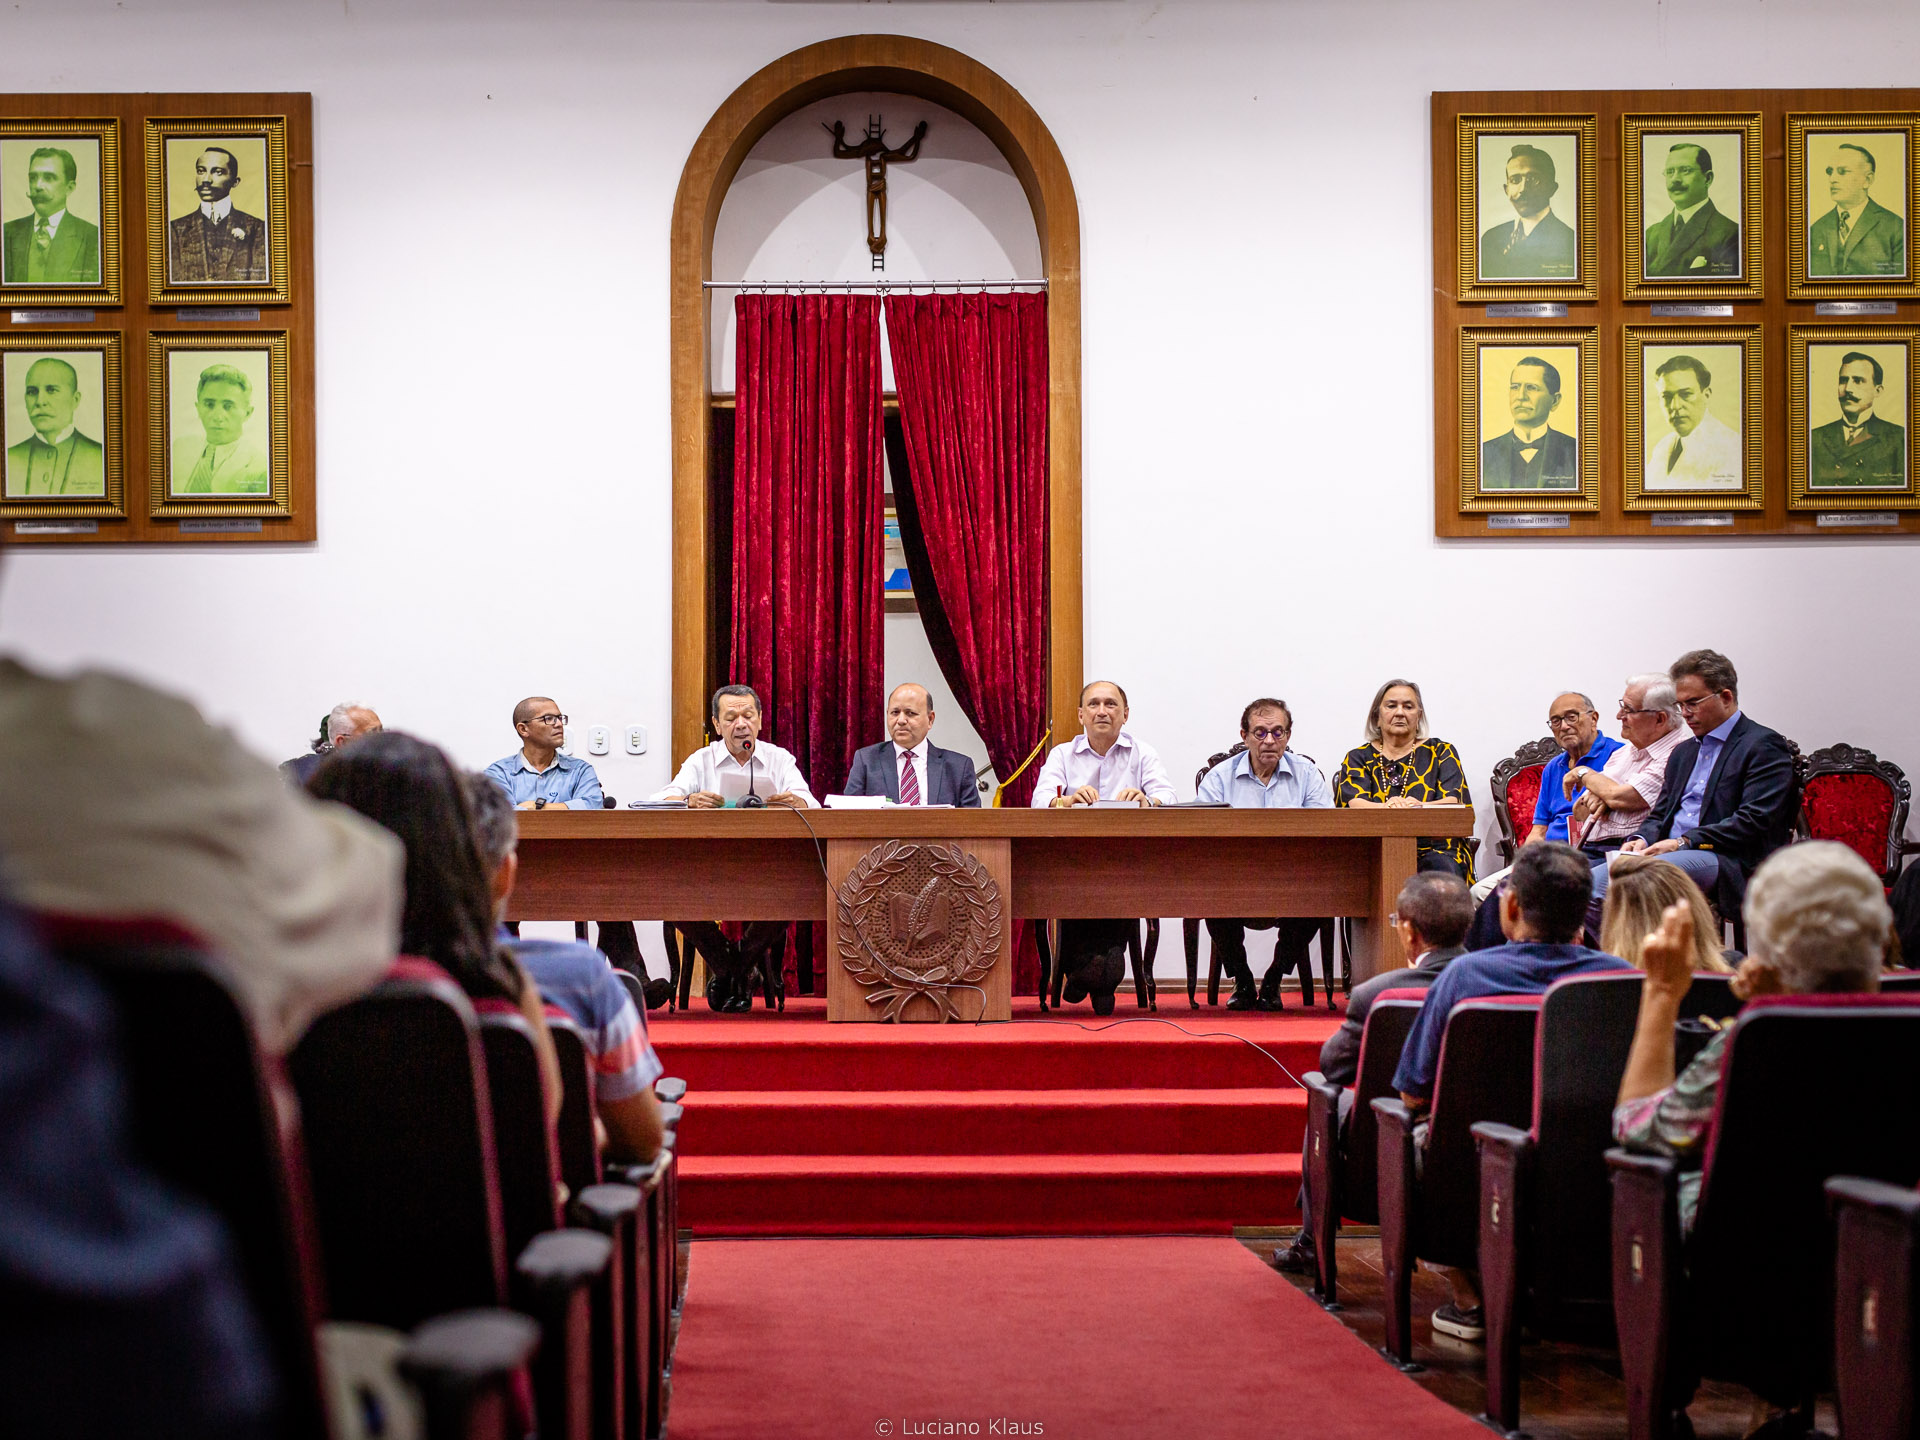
x=1265 y=776
x=538 y=777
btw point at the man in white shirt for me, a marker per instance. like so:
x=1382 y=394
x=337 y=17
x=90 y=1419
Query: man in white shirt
x=1104 y=762
x=740 y=761
x=1700 y=452
x=1620 y=793
x=742 y=771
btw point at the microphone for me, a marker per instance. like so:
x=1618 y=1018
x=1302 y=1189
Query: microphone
x=750 y=801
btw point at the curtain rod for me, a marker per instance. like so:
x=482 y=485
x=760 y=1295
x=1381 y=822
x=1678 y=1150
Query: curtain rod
x=825 y=285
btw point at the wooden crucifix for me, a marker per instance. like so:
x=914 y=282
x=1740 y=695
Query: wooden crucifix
x=874 y=152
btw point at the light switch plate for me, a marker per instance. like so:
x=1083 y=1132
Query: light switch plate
x=636 y=739
x=599 y=740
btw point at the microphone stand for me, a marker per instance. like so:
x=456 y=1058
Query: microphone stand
x=750 y=801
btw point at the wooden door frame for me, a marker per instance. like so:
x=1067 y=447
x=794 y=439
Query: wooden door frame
x=896 y=64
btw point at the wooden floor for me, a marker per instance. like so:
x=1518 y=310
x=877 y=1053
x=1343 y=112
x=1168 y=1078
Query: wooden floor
x=1567 y=1392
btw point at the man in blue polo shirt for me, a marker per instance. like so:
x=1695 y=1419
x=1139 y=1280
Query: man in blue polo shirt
x=1542 y=910
x=1265 y=775
x=1575 y=725
x=538 y=777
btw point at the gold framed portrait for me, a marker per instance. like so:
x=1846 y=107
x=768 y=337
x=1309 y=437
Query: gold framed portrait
x=1529 y=419
x=60 y=212
x=1691 y=209
x=1522 y=235
x=217 y=425
x=217 y=223
x=60 y=426
x=1693 y=417
x=1853 y=417
x=1851 y=182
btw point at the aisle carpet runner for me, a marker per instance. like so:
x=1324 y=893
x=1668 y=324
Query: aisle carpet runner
x=798 y=1127
x=1070 y=1339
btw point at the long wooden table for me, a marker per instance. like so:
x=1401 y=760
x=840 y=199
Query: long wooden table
x=1043 y=864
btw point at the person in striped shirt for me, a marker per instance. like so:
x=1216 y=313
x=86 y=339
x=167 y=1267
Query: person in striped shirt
x=578 y=980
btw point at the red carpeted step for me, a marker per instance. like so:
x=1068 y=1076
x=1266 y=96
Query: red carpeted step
x=1000 y=1057
x=985 y=1194
x=987 y=1122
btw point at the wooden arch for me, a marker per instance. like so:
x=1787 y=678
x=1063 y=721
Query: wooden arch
x=901 y=65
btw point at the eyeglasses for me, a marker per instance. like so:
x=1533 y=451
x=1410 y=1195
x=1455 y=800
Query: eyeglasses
x=1692 y=705
x=1626 y=709
x=1276 y=732
x=550 y=720
x=1571 y=717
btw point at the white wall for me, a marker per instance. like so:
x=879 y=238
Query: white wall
x=1253 y=181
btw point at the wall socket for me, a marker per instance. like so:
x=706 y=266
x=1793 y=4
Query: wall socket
x=636 y=739
x=599 y=740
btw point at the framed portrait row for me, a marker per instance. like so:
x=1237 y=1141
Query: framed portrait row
x=1692 y=202
x=218 y=410
x=1694 y=418
x=214 y=229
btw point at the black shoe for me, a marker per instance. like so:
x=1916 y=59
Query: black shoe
x=1271 y=1002
x=1450 y=1319
x=656 y=992
x=1244 y=998
x=1103 y=1003
x=1075 y=988
x=1297 y=1258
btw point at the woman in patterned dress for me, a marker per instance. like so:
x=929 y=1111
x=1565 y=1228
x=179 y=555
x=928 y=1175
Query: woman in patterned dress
x=1402 y=767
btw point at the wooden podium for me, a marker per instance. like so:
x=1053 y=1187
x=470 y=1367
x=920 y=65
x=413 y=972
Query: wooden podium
x=923 y=901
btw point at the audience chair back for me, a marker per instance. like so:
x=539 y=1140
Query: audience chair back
x=523 y=1142
x=579 y=1146
x=203 y=1117
x=1874 y=1333
x=400 y=1140
x=1342 y=1169
x=1853 y=796
x=1431 y=1211
x=1743 y=1306
x=1516 y=790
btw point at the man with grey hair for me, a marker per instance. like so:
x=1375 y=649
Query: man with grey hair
x=1619 y=794
x=344 y=724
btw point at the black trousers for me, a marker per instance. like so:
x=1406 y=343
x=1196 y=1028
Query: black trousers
x=1290 y=950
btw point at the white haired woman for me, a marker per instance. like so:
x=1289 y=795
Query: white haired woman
x=1817 y=923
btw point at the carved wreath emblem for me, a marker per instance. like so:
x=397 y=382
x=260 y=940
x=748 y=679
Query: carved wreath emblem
x=918 y=920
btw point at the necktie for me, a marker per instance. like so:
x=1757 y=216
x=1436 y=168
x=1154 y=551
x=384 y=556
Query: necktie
x=1673 y=455
x=1840 y=235
x=909 y=783
x=42 y=249
x=1856 y=434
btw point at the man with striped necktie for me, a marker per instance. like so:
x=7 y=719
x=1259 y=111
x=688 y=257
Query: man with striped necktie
x=910 y=769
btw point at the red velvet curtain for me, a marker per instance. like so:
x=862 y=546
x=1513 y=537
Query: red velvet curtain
x=807 y=486
x=971 y=371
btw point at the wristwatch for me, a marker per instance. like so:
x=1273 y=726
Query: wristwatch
x=539 y=804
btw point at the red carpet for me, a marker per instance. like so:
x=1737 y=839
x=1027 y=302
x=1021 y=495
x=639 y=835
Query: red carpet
x=826 y=1339
x=797 y=1127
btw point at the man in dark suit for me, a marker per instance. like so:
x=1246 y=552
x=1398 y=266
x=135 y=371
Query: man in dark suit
x=909 y=769
x=1696 y=239
x=51 y=246
x=1537 y=244
x=1858 y=236
x=1859 y=448
x=1532 y=455
x=216 y=242
x=1730 y=793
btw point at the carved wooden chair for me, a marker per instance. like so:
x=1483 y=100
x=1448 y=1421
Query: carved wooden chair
x=1190 y=929
x=1853 y=796
x=1516 y=790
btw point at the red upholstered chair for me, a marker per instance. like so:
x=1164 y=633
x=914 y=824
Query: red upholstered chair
x=1735 y=1302
x=1516 y=790
x=1874 y=1331
x=406 y=1183
x=1432 y=1211
x=1342 y=1170
x=1544 y=1203
x=204 y=1116
x=1853 y=796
